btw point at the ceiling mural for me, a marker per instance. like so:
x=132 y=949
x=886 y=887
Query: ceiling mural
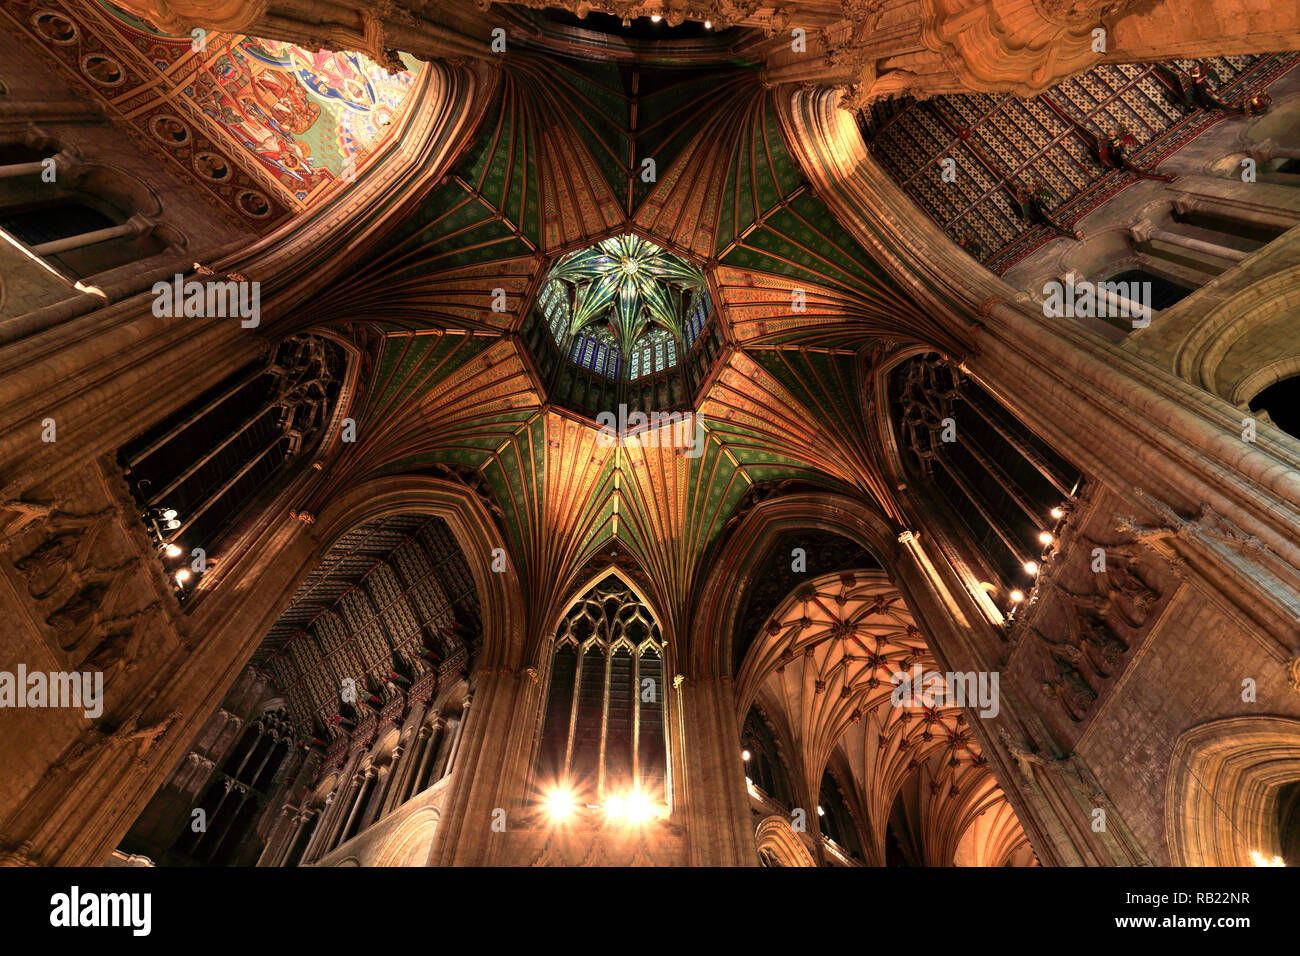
x=1027 y=170
x=262 y=127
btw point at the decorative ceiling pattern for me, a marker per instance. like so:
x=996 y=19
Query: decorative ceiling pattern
x=555 y=167
x=261 y=127
x=1056 y=150
x=627 y=295
x=822 y=670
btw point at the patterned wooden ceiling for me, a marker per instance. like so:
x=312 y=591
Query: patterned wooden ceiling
x=1001 y=141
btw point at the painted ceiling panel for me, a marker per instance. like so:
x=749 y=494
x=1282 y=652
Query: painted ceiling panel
x=261 y=128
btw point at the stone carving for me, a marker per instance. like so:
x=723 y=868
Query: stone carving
x=129 y=732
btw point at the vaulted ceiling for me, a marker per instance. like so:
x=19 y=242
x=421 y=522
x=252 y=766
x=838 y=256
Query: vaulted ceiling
x=557 y=162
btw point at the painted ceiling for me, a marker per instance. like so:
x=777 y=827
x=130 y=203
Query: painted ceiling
x=999 y=141
x=261 y=128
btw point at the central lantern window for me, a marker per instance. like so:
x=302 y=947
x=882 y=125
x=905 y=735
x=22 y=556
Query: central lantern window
x=624 y=308
x=604 y=740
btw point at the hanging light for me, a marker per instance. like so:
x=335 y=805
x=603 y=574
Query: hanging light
x=1031 y=567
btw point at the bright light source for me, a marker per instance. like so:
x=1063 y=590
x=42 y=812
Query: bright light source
x=559 y=804
x=1058 y=513
x=616 y=807
x=1045 y=537
x=820 y=811
x=172 y=525
x=1031 y=567
x=708 y=24
x=637 y=807
x=655 y=18
x=744 y=755
x=182 y=575
x=169 y=514
x=1017 y=596
x=172 y=551
x=1259 y=859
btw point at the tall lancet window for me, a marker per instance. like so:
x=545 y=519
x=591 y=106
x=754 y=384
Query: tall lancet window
x=604 y=731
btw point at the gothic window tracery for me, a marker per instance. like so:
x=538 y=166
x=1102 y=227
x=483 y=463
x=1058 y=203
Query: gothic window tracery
x=604 y=726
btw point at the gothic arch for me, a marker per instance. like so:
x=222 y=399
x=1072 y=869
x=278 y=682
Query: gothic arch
x=709 y=644
x=474 y=531
x=778 y=839
x=1222 y=791
x=1246 y=344
x=410 y=843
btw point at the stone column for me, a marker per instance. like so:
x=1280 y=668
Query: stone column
x=135 y=226
x=294 y=848
x=358 y=806
x=460 y=733
x=1146 y=232
x=711 y=801
x=395 y=765
x=283 y=837
x=323 y=821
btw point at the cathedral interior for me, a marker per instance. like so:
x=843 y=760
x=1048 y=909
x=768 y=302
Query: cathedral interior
x=650 y=433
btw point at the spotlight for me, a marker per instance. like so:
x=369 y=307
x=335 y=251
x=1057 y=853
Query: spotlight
x=708 y=24
x=182 y=575
x=616 y=807
x=655 y=18
x=1031 y=567
x=1045 y=537
x=744 y=755
x=172 y=551
x=559 y=804
x=172 y=525
x=1058 y=513
x=169 y=514
x=637 y=807
x=1259 y=859
x=1017 y=596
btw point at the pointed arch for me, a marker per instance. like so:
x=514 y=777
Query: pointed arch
x=1221 y=796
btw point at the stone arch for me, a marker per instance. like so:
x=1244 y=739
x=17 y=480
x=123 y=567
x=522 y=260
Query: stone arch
x=475 y=533
x=411 y=843
x=708 y=645
x=1246 y=344
x=778 y=839
x=1221 y=795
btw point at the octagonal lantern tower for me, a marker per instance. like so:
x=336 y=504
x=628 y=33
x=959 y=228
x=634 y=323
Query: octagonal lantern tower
x=623 y=322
